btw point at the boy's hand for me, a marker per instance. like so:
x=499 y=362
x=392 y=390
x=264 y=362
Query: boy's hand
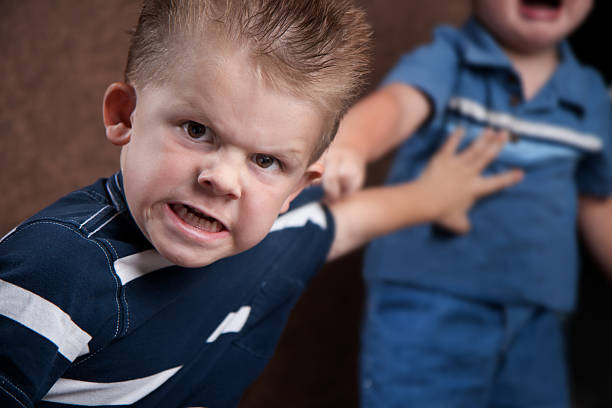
x=345 y=171
x=453 y=181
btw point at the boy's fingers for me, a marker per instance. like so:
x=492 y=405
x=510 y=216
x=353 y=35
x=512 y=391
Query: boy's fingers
x=490 y=149
x=475 y=148
x=344 y=174
x=457 y=223
x=463 y=225
x=353 y=183
x=452 y=142
x=331 y=187
x=492 y=184
x=342 y=182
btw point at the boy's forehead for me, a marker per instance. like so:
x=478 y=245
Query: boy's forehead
x=232 y=72
x=221 y=86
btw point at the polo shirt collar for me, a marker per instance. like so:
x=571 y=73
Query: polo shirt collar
x=114 y=187
x=479 y=48
x=564 y=79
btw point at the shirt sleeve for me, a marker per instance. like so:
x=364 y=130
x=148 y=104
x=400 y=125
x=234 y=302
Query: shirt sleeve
x=594 y=173
x=303 y=236
x=44 y=324
x=431 y=68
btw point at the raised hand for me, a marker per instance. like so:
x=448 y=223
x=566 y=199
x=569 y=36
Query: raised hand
x=454 y=181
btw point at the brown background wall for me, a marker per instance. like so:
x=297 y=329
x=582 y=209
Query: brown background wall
x=56 y=59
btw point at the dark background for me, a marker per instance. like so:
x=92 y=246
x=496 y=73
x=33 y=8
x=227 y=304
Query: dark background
x=56 y=59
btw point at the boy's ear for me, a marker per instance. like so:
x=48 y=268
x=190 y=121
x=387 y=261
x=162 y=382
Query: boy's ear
x=312 y=175
x=119 y=103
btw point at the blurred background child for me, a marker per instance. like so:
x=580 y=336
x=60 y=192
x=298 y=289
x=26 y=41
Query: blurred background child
x=477 y=320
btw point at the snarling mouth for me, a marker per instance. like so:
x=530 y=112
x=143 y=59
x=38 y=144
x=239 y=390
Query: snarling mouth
x=197 y=219
x=551 y=4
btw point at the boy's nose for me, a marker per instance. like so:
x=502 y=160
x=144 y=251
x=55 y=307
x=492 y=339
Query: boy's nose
x=221 y=180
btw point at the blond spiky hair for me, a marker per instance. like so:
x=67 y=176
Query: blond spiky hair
x=314 y=49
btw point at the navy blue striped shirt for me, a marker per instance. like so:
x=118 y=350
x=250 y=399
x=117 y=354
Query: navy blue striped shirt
x=91 y=314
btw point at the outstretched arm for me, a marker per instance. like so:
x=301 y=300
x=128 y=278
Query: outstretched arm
x=595 y=220
x=444 y=193
x=371 y=128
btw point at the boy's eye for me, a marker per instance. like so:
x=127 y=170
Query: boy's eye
x=265 y=161
x=197 y=131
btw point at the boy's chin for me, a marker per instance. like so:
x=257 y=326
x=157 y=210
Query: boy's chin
x=191 y=260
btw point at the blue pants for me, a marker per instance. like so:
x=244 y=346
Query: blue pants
x=428 y=349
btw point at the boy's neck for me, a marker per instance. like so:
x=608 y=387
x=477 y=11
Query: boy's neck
x=534 y=69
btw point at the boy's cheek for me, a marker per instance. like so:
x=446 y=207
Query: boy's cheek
x=285 y=206
x=256 y=223
x=252 y=235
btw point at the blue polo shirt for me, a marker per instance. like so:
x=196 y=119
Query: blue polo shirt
x=91 y=314
x=522 y=247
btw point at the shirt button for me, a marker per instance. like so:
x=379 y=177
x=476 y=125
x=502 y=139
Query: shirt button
x=515 y=100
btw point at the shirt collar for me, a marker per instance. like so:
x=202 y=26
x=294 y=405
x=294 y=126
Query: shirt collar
x=564 y=79
x=114 y=186
x=480 y=48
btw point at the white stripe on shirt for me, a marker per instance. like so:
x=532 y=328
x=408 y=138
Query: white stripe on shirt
x=87 y=393
x=137 y=265
x=45 y=318
x=233 y=323
x=299 y=217
x=94 y=215
x=506 y=121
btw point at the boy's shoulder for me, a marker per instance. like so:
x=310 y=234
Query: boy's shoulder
x=57 y=241
x=582 y=85
x=471 y=36
x=81 y=213
x=76 y=239
x=53 y=264
x=60 y=234
x=75 y=209
x=589 y=80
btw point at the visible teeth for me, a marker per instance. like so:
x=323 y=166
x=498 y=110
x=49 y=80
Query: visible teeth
x=181 y=210
x=197 y=219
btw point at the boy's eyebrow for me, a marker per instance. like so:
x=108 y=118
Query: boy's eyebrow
x=291 y=153
x=191 y=110
x=185 y=102
x=288 y=156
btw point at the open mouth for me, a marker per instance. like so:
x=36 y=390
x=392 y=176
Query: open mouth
x=549 y=4
x=541 y=10
x=197 y=219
